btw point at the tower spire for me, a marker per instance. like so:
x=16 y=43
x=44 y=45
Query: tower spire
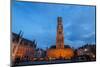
x=60 y=34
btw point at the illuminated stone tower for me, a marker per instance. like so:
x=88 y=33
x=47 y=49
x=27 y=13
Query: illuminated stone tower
x=60 y=52
x=60 y=34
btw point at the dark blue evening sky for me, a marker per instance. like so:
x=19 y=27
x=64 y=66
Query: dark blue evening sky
x=39 y=21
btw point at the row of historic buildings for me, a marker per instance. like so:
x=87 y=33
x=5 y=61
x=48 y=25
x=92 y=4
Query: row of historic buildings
x=26 y=50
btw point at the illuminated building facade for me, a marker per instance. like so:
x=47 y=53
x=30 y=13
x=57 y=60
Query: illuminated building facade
x=60 y=52
x=22 y=49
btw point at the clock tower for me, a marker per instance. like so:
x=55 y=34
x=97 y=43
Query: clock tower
x=60 y=34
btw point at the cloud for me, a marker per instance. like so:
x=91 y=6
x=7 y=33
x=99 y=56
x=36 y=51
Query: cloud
x=39 y=21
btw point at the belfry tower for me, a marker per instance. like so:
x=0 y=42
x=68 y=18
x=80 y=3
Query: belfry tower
x=60 y=34
x=60 y=52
